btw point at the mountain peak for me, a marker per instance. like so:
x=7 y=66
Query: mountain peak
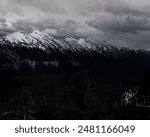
x=16 y=37
x=39 y=35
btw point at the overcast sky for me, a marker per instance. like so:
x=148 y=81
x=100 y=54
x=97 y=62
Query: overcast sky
x=120 y=22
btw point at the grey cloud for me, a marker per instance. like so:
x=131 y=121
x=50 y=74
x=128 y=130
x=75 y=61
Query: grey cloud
x=2 y=19
x=6 y=30
x=127 y=24
x=69 y=27
x=29 y=26
x=44 y=5
x=141 y=40
x=22 y=26
x=121 y=7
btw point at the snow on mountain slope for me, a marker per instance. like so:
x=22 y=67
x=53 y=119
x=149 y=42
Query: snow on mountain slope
x=50 y=43
x=17 y=37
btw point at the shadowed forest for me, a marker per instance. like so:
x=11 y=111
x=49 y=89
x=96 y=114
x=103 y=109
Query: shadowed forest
x=73 y=88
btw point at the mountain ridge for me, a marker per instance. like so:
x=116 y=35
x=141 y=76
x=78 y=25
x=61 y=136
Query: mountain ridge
x=49 y=43
x=39 y=51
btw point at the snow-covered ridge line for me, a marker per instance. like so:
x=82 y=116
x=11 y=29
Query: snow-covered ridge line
x=50 y=43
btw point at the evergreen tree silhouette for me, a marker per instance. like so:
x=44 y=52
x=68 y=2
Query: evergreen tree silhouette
x=24 y=109
x=82 y=87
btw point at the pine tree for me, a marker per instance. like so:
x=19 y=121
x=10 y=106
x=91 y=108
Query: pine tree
x=26 y=108
x=82 y=95
x=82 y=87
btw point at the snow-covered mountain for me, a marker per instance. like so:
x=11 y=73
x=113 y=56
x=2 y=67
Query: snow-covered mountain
x=39 y=46
x=40 y=51
x=50 y=44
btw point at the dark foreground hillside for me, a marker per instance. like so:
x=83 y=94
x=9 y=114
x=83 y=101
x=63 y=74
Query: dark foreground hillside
x=38 y=85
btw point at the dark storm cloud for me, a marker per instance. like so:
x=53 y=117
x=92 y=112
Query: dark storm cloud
x=124 y=10
x=129 y=24
x=120 y=7
x=125 y=23
x=119 y=16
